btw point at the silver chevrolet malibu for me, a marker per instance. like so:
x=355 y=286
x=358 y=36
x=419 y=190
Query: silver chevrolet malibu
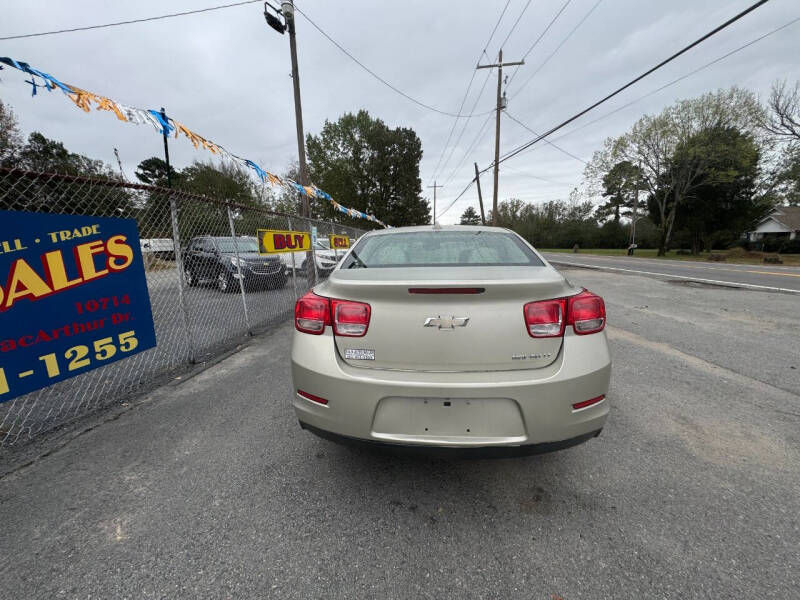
x=452 y=340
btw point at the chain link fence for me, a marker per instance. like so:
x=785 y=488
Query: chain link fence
x=209 y=288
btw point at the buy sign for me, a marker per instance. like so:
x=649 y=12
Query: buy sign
x=339 y=242
x=271 y=241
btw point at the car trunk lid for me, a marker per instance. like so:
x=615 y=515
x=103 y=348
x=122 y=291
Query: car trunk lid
x=447 y=319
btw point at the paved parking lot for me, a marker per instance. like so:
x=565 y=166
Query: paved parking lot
x=207 y=488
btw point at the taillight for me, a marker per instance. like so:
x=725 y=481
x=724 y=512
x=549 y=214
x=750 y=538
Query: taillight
x=588 y=403
x=545 y=318
x=312 y=313
x=586 y=312
x=350 y=319
x=312 y=397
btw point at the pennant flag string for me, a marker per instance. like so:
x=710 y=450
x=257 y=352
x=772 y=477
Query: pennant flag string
x=165 y=125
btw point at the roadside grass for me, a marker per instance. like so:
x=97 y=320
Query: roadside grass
x=734 y=255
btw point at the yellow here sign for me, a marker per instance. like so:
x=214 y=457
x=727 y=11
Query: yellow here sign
x=272 y=241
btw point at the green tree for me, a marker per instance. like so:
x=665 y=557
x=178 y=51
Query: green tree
x=225 y=183
x=10 y=139
x=509 y=213
x=55 y=195
x=470 y=217
x=723 y=203
x=222 y=181
x=153 y=171
x=364 y=164
x=620 y=185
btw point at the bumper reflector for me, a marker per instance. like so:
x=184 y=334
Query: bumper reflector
x=585 y=403
x=311 y=397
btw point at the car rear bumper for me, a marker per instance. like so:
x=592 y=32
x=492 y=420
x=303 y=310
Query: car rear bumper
x=427 y=450
x=519 y=409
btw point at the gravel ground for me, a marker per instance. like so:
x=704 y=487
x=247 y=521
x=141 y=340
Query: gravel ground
x=208 y=488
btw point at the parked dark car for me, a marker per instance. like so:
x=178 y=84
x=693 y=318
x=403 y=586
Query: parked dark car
x=222 y=260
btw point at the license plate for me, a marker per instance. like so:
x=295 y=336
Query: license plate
x=462 y=417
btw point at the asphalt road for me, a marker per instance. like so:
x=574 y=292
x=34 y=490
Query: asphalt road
x=777 y=277
x=208 y=488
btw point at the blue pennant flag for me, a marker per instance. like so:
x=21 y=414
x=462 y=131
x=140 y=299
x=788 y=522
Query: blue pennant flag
x=166 y=128
x=262 y=174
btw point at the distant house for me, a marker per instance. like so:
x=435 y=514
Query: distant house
x=782 y=222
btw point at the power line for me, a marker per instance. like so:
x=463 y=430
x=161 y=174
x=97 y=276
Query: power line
x=466 y=122
x=714 y=31
x=496 y=25
x=553 y=53
x=381 y=79
x=559 y=148
x=469 y=185
x=539 y=39
x=679 y=79
x=469 y=150
x=132 y=21
x=449 y=206
x=453 y=128
x=514 y=26
x=466 y=94
x=467 y=153
x=698 y=41
x=532 y=176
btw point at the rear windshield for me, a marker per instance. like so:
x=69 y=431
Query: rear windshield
x=441 y=249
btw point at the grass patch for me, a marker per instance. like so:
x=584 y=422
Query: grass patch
x=734 y=255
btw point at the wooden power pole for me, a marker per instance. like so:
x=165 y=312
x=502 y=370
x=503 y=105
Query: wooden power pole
x=500 y=64
x=434 y=186
x=287 y=7
x=480 y=196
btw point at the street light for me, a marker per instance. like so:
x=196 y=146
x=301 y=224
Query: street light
x=274 y=20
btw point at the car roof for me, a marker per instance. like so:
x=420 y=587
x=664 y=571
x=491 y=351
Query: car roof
x=421 y=228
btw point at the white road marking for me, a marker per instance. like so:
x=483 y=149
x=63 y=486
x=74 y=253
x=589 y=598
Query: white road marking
x=714 y=281
x=679 y=264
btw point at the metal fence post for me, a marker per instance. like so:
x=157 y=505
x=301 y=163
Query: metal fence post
x=313 y=256
x=294 y=266
x=239 y=270
x=176 y=241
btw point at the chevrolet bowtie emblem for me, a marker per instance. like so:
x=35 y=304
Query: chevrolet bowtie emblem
x=448 y=323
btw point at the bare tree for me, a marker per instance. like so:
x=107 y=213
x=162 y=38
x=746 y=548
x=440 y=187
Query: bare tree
x=783 y=118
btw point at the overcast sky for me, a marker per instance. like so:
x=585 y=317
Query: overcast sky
x=225 y=74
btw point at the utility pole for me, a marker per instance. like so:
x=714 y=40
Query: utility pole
x=287 y=8
x=434 y=186
x=166 y=148
x=500 y=106
x=480 y=196
x=635 y=209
